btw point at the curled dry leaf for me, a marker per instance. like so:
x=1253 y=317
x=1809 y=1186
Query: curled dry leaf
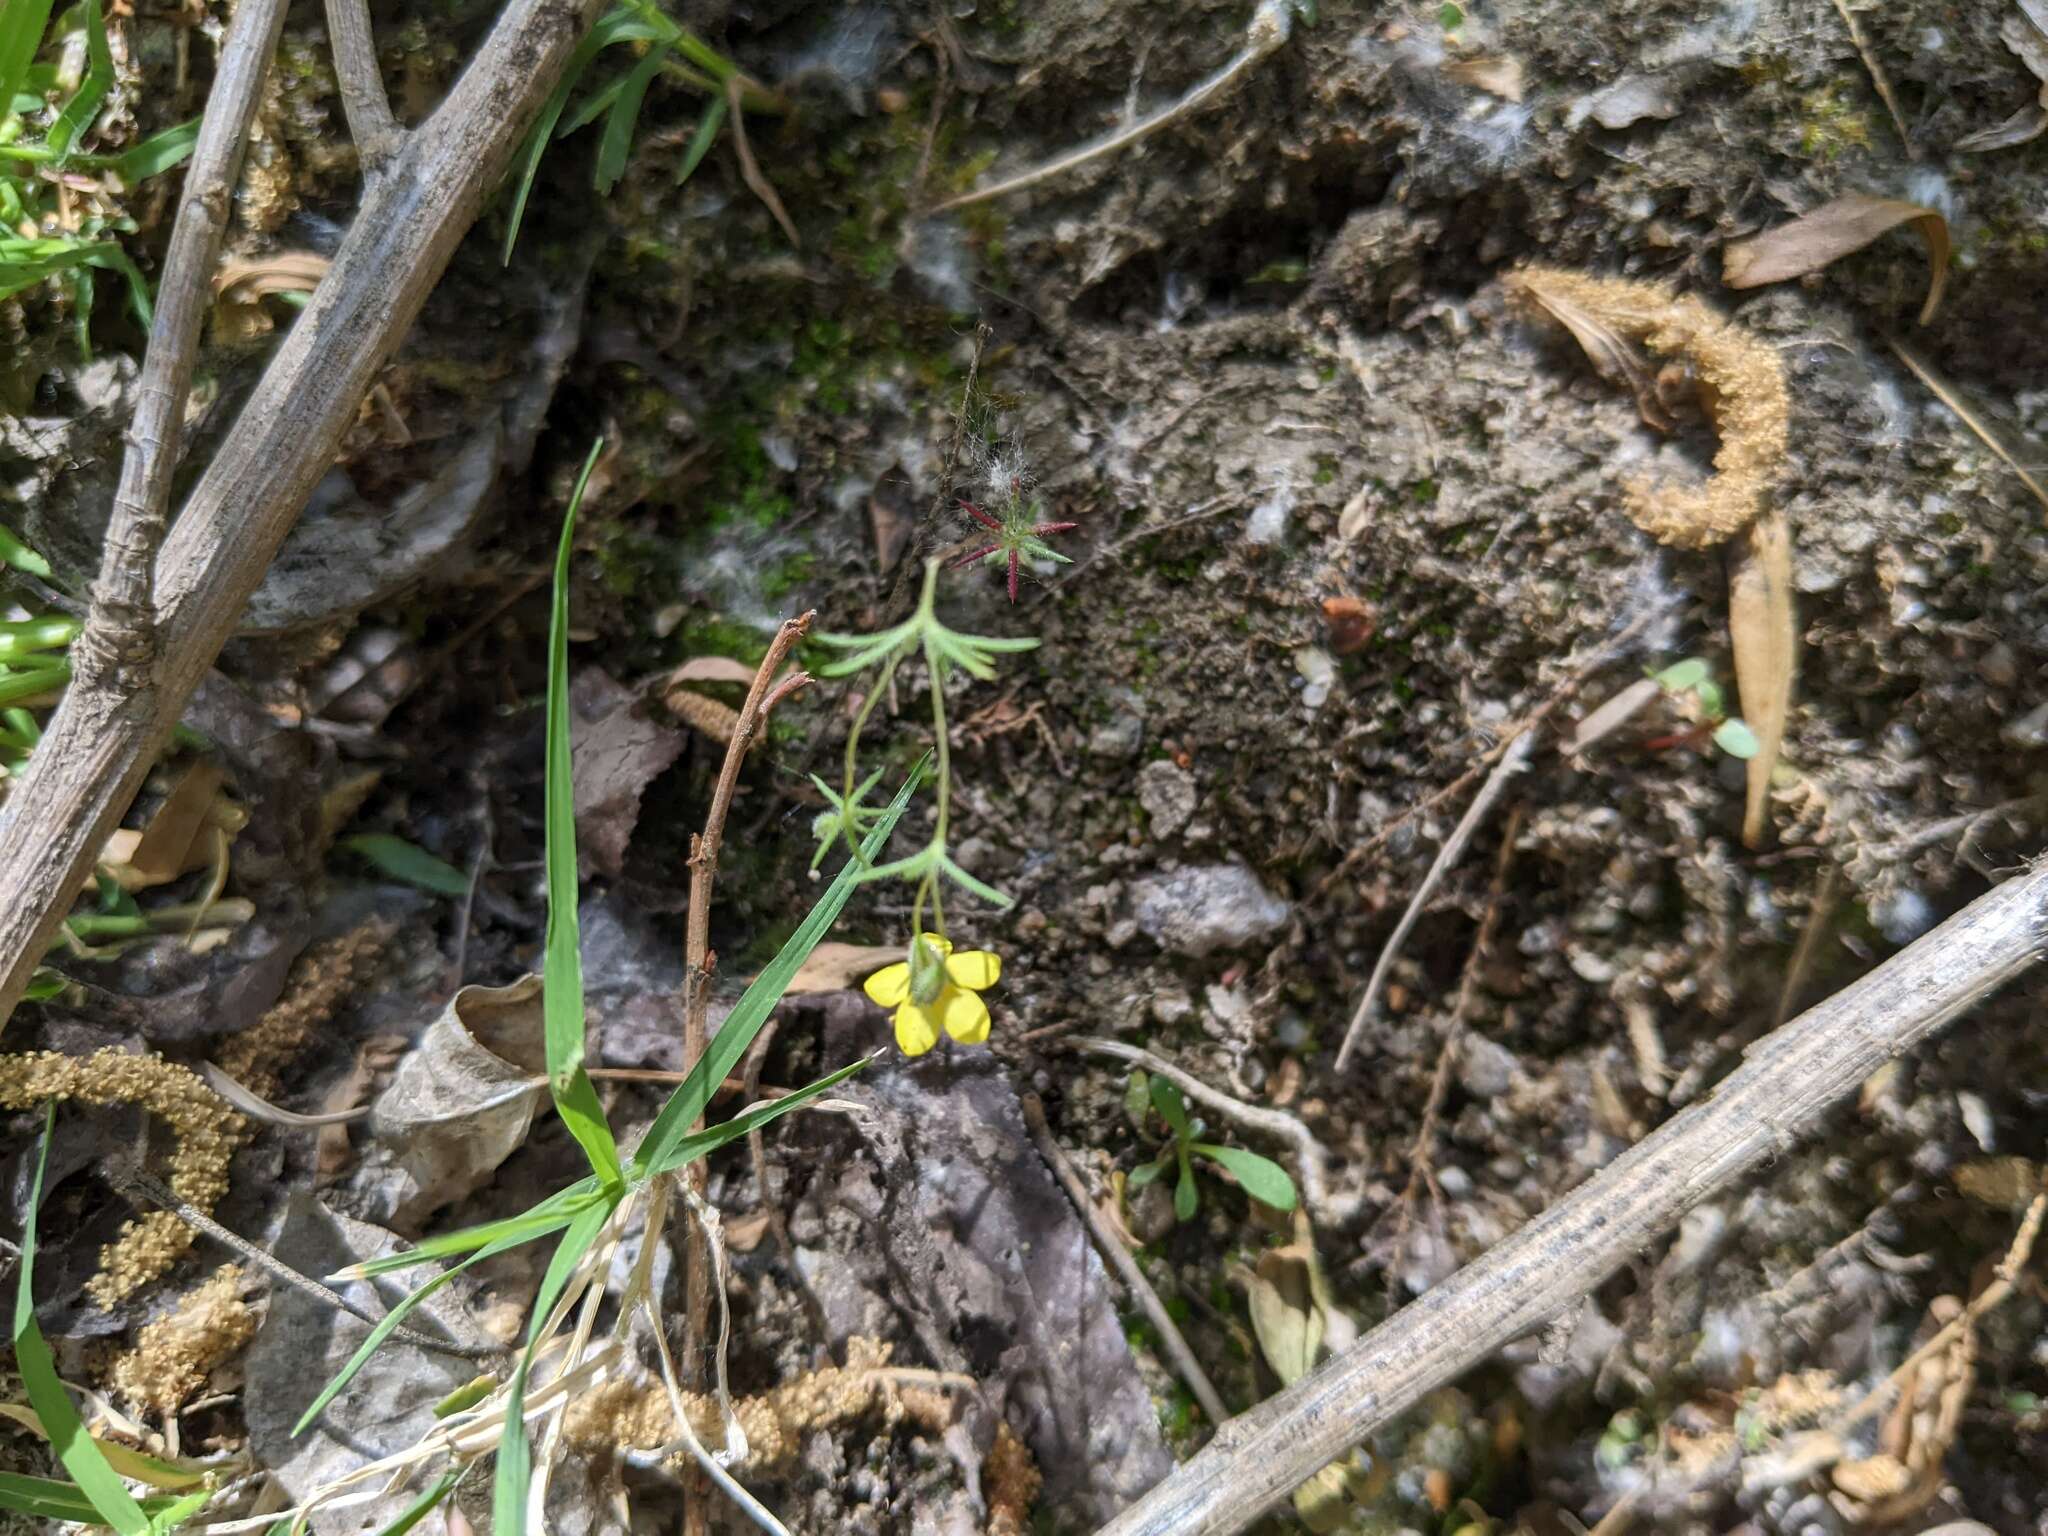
x=2026 y=33
x=460 y=1102
x=1293 y=1313
x=1817 y=239
x=185 y=832
x=1765 y=639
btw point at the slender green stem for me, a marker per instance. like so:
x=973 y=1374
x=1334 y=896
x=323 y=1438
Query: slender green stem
x=867 y=708
x=937 y=666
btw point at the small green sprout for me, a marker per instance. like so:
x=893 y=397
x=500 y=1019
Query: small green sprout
x=1728 y=732
x=1260 y=1177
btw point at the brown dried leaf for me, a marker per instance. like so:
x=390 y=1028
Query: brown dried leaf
x=2010 y=1183
x=1761 y=627
x=2023 y=127
x=1815 y=240
x=1496 y=74
x=1285 y=1316
x=834 y=967
x=616 y=754
x=172 y=843
x=712 y=669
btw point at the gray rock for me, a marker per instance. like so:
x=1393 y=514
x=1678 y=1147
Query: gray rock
x=1206 y=907
x=1167 y=792
x=1119 y=736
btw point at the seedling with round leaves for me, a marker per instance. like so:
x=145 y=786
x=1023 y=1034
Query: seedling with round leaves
x=1693 y=678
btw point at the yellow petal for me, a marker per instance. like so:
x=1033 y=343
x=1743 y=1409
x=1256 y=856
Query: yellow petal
x=975 y=969
x=939 y=942
x=915 y=1031
x=964 y=1015
x=890 y=985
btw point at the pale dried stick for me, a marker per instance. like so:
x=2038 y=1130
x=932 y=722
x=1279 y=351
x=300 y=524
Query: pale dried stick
x=1421 y=1157
x=1175 y=1347
x=1268 y=29
x=363 y=98
x=1781 y=1092
x=100 y=744
x=136 y=1184
x=1453 y=849
x=1309 y=1161
x=1966 y=413
x=1878 y=78
x=1583 y=673
x=114 y=658
x=1818 y=915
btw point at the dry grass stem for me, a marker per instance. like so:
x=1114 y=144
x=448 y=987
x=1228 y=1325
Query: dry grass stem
x=1174 y=1346
x=1967 y=414
x=1511 y=763
x=1269 y=28
x=1878 y=78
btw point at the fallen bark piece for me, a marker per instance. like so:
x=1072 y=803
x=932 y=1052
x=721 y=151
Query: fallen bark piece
x=1818 y=239
x=1790 y=1079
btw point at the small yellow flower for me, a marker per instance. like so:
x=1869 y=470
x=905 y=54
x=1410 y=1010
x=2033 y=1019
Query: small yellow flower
x=951 y=982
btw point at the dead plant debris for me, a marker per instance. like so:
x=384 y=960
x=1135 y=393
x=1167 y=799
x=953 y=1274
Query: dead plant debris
x=1816 y=240
x=174 y=1356
x=207 y=1131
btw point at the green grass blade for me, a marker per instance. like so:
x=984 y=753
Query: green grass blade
x=176 y=1512
x=615 y=26
x=616 y=143
x=702 y=140
x=15 y=553
x=562 y=969
x=82 y=292
x=84 y=104
x=551 y=1215
x=409 y=862
x=18 y=683
x=52 y=631
x=389 y=1322
x=707 y=1141
x=50 y=1498
x=111 y=1501
x=156 y=154
x=22 y=24
x=515 y=1452
x=686 y=1105
x=422 y=1506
